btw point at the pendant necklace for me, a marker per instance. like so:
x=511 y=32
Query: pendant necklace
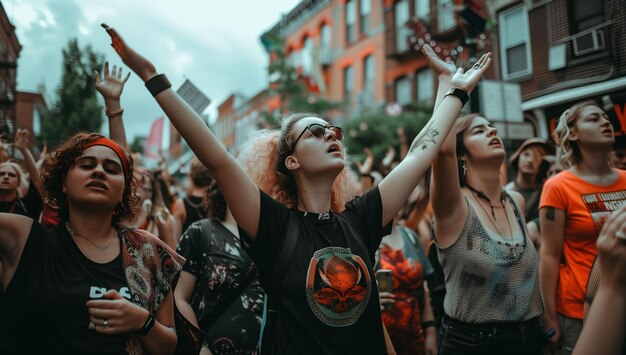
x=491 y=204
x=99 y=247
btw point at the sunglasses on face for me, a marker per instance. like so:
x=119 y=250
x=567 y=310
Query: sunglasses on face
x=319 y=131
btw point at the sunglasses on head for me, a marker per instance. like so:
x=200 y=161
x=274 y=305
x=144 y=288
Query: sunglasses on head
x=319 y=131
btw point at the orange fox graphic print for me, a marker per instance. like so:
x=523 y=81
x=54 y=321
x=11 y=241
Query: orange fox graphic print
x=338 y=286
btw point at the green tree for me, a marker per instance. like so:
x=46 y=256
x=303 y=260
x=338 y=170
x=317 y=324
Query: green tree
x=376 y=130
x=76 y=107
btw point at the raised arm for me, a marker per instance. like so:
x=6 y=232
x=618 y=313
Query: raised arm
x=398 y=185
x=240 y=192
x=445 y=186
x=111 y=90
x=552 y=230
x=22 y=138
x=14 y=230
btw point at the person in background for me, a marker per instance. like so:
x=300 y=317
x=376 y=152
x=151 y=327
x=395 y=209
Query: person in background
x=12 y=175
x=618 y=154
x=526 y=161
x=192 y=208
x=574 y=205
x=406 y=310
x=219 y=289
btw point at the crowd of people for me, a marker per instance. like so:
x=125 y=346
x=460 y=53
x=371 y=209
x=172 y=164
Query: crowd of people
x=290 y=248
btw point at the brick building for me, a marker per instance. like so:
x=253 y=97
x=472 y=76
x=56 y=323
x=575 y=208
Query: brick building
x=361 y=53
x=562 y=52
x=9 y=52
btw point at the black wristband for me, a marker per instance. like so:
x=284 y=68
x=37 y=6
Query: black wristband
x=157 y=84
x=429 y=323
x=147 y=326
x=460 y=94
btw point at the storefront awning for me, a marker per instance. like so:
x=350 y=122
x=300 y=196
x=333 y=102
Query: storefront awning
x=574 y=94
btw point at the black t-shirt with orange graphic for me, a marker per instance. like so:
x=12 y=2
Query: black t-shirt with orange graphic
x=329 y=298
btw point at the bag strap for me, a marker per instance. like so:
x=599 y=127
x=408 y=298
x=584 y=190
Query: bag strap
x=284 y=257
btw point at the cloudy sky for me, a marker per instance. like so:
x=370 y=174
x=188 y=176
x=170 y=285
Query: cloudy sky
x=214 y=43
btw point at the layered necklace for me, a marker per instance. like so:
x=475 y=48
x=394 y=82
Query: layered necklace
x=99 y=247
x=515 y=249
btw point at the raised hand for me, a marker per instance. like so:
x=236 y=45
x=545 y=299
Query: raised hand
x=135 y=61
x=368 y=163
x=438 y=65
x=468 y=80
x=112 y=86
x=22 y=136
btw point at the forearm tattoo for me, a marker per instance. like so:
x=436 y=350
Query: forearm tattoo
x=550 y=214
x=422 y=141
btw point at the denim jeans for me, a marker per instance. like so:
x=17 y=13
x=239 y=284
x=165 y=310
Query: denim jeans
x=523 y=338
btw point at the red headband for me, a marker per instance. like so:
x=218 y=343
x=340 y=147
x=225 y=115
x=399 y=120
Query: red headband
x=116 y=148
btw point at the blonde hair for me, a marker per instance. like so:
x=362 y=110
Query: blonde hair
x=263 y=158
x=570 y=150
x=21 y=175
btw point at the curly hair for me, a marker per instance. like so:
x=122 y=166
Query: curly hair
x=215 y=202
x=263 y=157
x=570 y=150
x=58 y=163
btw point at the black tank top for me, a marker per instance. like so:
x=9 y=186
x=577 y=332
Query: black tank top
x=45 y=302
x=194 y=209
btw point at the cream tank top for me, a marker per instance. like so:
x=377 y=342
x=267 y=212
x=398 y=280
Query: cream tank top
x=488 y=278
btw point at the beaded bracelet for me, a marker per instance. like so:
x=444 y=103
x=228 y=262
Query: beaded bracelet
x=157 y=84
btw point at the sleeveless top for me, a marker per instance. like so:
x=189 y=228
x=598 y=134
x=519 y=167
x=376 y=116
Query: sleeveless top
x=194 y=210
x=488 y=278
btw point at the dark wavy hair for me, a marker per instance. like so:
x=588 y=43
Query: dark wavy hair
x=199 y=174
x=56 y=166
x=215 y=202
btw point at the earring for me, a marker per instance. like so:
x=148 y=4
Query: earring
x=463 y=167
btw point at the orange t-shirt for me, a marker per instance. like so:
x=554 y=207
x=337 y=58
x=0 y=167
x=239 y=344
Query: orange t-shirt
x=586 y=207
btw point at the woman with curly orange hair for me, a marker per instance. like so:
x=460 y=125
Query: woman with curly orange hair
x=328 y=299
x=88 y=285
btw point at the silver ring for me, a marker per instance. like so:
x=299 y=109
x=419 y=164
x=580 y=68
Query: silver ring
x=106 y=323
x=621 y=235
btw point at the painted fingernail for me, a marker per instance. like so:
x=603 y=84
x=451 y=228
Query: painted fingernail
x=92 y=326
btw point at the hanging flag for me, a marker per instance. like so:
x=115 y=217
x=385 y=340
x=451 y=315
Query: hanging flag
x=193 y=97
x=153 y=143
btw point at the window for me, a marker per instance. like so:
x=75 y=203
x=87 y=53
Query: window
x=403 y=90
x=425 y=84
x=422 y=9
x=445 y=16
x=325 y=44
x=350 y=21
x=369 y=73
x=348 y=82
x=401 y=12
x=306 y=57
x=585 y=14
x=365 y=9
x=515 y=43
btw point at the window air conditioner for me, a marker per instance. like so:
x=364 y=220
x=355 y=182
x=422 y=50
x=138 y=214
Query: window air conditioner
x=588 y=42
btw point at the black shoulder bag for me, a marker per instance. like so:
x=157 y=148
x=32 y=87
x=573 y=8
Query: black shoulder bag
x=272 y=300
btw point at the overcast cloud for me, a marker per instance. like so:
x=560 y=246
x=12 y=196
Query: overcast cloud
x=214 y=43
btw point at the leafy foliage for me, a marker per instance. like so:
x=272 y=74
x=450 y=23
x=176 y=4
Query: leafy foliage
x=76 y=107
x=377 y=131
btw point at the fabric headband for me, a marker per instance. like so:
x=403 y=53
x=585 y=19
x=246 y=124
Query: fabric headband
x=116 y=148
